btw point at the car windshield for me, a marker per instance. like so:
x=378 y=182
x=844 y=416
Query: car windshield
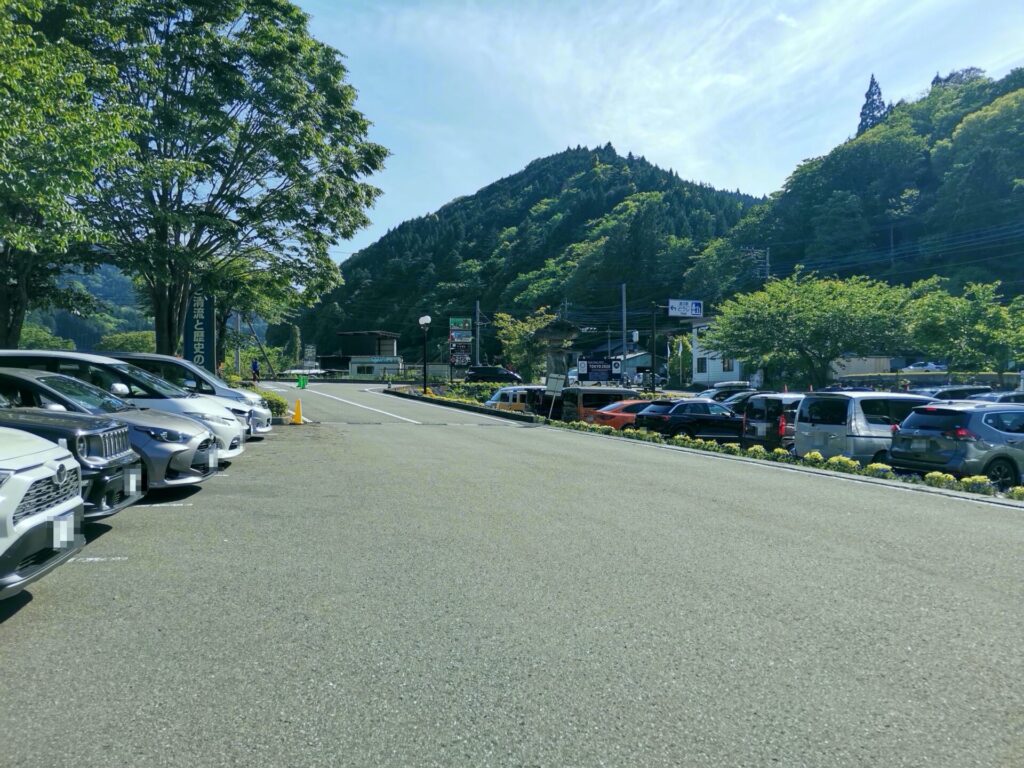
x=147 y=380
x=84 y=395
x=659 y=408
x=935 y=419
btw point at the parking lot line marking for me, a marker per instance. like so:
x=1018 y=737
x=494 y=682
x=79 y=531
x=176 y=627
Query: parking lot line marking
x=506 y=422
x=357 y=405
x=167 y=504
x=119 y=559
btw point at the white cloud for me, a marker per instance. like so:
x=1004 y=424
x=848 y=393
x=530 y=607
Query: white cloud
x=789 y=21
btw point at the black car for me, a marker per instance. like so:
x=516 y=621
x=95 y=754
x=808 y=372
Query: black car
x=489 y=373
x=111 y=470
x=769 y=420
x=737 y=400
x=693 y=417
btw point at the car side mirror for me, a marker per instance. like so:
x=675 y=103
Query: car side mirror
x=190 y=384
x=117 y=389
x=56 y=407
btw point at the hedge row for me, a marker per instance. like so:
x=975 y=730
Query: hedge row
x=976 y=484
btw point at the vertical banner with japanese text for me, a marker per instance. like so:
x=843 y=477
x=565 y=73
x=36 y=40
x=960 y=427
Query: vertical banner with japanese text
x=201 y=332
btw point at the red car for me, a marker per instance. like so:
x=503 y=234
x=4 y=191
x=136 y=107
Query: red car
x=619 y=415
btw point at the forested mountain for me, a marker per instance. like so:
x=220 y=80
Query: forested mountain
x=568 y=228
x=932 y=186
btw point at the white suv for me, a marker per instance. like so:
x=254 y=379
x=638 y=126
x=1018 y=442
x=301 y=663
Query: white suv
x=40 y=509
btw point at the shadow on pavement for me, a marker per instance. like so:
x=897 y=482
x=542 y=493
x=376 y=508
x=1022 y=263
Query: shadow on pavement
x=169 y=495
x=12 y=605
x=92 y=530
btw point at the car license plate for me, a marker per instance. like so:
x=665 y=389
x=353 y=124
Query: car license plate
x=64 y=530
x=132 y=481
x=917 y=446
x=213 y=460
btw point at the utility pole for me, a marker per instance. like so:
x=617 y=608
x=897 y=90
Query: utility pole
x=476 y=334
x=623 y=366
x=238 y=343
x=654 y=347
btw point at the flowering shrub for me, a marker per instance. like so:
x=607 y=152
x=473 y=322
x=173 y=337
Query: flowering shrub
x=942 y=480
x=732 y=449
x=814 y=458
x=880 y=470
x=756 y=452
x=843 y=464
x=978 y=484
x=782 y=455
x=1016 y=493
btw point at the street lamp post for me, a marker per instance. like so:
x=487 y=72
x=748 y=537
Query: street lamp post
x=425 y=325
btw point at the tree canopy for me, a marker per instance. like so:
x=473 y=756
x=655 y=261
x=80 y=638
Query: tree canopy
x=250 y=157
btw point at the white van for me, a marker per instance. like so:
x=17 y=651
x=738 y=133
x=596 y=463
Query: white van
x=857 y=425
x=40 y=509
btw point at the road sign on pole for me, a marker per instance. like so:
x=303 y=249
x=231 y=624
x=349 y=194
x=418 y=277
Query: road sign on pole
x=685 y=308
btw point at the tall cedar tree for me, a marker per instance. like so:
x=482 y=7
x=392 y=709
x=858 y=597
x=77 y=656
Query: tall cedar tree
x=251 y=156
x=874 y=110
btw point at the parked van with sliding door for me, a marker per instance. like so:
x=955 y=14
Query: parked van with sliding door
x=858 y=425
x=580 y=402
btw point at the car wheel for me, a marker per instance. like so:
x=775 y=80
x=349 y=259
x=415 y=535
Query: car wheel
x=1003 y=474
x=882 y=457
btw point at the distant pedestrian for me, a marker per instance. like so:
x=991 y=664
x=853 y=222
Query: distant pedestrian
x=255 y=370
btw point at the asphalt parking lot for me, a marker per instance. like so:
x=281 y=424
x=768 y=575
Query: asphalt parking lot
x=403 y=584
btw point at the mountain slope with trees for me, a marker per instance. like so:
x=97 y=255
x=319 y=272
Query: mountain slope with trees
x=568 y=228
x=932 y=186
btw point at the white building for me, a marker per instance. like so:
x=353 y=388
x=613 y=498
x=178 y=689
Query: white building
x=709 y=367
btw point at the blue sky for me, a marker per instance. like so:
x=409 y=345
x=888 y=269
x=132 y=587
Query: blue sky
x=734 y=93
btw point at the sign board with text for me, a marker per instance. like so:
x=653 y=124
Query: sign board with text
x=685 y=308
x=201 y=332
x=594 y=369
x=554 y=383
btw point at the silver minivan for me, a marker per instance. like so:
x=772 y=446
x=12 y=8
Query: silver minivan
x=858 y=425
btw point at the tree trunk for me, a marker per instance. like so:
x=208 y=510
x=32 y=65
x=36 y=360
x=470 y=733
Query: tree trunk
x=13 y=299
x=170 y=303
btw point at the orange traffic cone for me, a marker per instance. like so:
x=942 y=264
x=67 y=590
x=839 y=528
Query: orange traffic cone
x=297 y=414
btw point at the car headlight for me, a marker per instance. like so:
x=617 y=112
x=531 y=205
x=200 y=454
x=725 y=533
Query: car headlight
x=166 y=435
x=209 y=418
x=5 y=475
x=82 y=446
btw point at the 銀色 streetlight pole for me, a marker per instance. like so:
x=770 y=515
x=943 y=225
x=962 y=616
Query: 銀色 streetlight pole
x=425 y=325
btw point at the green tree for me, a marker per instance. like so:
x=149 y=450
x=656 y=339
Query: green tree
x=975 y=331
x=874 y=110
x=36 y=337
x=521 y=349
x=54 y=135
x=128 y=341
x=252 y=152
x=804 y=323
x=680 y=362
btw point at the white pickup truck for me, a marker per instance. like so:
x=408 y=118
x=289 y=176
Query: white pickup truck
x=40 y=509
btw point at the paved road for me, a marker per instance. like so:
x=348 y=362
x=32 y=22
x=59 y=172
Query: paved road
x=403 y=585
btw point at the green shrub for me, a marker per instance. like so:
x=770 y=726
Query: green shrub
x=942 y=480
x=1016 y=493
x=813 y=459
x=732 y=449
x=781 y=455
x=232 y=380
x=757 y=452
x=128 y=341
x=37 y=337
x=978 y=484
x=878 y=469
x=843 y=464
x=277 y=404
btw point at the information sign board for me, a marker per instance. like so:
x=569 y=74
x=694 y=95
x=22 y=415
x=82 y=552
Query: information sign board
x=685 y=308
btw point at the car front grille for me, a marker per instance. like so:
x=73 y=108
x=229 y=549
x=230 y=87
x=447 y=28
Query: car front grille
x=36 y=558
x=115 y=442
x=48 y=493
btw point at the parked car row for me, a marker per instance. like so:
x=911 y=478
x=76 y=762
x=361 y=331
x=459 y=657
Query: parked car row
x=85 y=436
x=916 y=433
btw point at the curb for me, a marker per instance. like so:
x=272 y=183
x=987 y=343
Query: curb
x=895 y=484
x=510 y=415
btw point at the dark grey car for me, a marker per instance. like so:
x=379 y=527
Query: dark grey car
x=963 y=438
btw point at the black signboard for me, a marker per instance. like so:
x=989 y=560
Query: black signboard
x=594 y=369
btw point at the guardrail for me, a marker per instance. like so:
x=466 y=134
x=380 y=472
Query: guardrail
x=527 y=418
